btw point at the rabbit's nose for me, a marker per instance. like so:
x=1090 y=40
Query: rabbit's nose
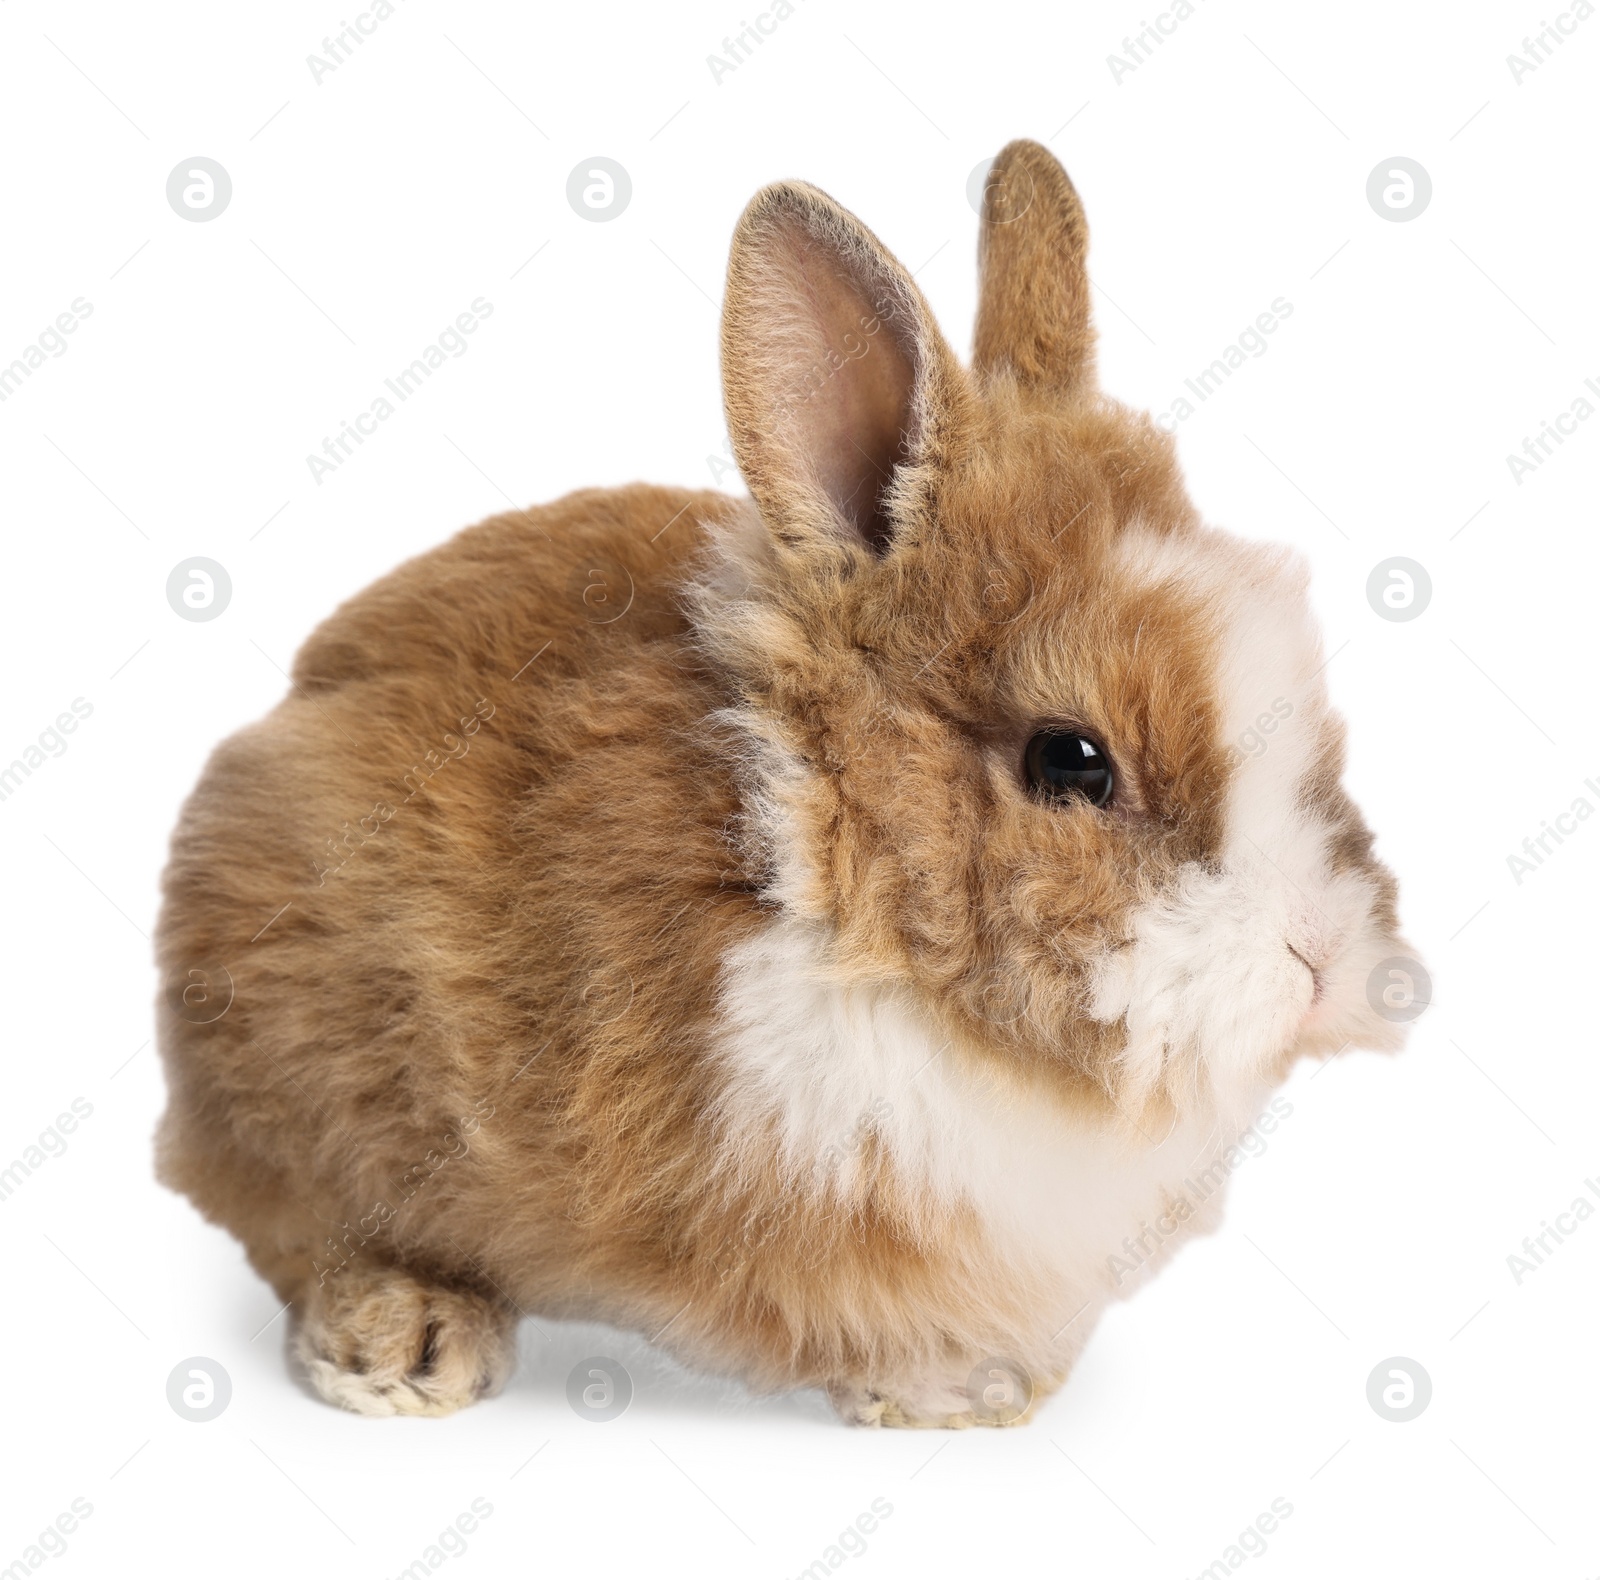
x=1313 y=939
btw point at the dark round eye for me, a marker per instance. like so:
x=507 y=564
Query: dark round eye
x=1064 y=763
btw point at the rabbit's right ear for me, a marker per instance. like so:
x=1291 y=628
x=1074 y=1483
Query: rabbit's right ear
x=1033 y=292
x=840 y=392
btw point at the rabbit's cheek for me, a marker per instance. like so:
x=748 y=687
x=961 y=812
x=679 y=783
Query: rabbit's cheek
x=1223 y=970
x=1207 y=991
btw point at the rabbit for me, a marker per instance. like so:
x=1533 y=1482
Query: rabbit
x=836 y=933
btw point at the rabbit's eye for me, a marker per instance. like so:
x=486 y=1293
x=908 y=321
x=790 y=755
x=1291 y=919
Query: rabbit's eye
x=1063 y=763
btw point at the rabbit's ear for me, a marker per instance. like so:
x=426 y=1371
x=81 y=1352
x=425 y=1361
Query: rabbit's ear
x=839 y=389
x=1033 y=295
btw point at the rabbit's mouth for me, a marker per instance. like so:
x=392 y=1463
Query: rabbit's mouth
x=1318 y=1010
x=1318 y=986
x=1230 y=972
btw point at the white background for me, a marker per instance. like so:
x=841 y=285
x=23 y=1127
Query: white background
x=367 y=211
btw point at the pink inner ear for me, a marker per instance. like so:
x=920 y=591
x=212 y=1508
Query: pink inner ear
x=843 y=381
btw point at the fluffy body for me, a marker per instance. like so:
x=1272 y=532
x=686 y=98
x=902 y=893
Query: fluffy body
x=636 y=907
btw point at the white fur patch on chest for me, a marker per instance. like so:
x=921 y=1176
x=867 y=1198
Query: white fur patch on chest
x=814 y=1065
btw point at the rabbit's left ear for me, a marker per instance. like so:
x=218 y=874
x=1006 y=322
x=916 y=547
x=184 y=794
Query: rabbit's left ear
x=840 y=392
x=1033 y=294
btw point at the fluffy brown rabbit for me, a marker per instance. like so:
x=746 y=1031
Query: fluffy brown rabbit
x=839 y=933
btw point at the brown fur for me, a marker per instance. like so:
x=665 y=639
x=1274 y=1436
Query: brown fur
x=466 y=1066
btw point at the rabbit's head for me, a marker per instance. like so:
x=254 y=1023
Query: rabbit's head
x=1022 y=736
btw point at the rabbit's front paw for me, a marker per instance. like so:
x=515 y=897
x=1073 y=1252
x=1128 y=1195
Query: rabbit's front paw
x=381 y=1342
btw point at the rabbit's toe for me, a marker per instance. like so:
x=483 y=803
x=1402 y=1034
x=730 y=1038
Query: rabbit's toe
x=862 y=1405
x=993 y=1393
x=384 y=1343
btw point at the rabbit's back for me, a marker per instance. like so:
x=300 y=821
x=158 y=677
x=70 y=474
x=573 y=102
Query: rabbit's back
x=390 y=893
